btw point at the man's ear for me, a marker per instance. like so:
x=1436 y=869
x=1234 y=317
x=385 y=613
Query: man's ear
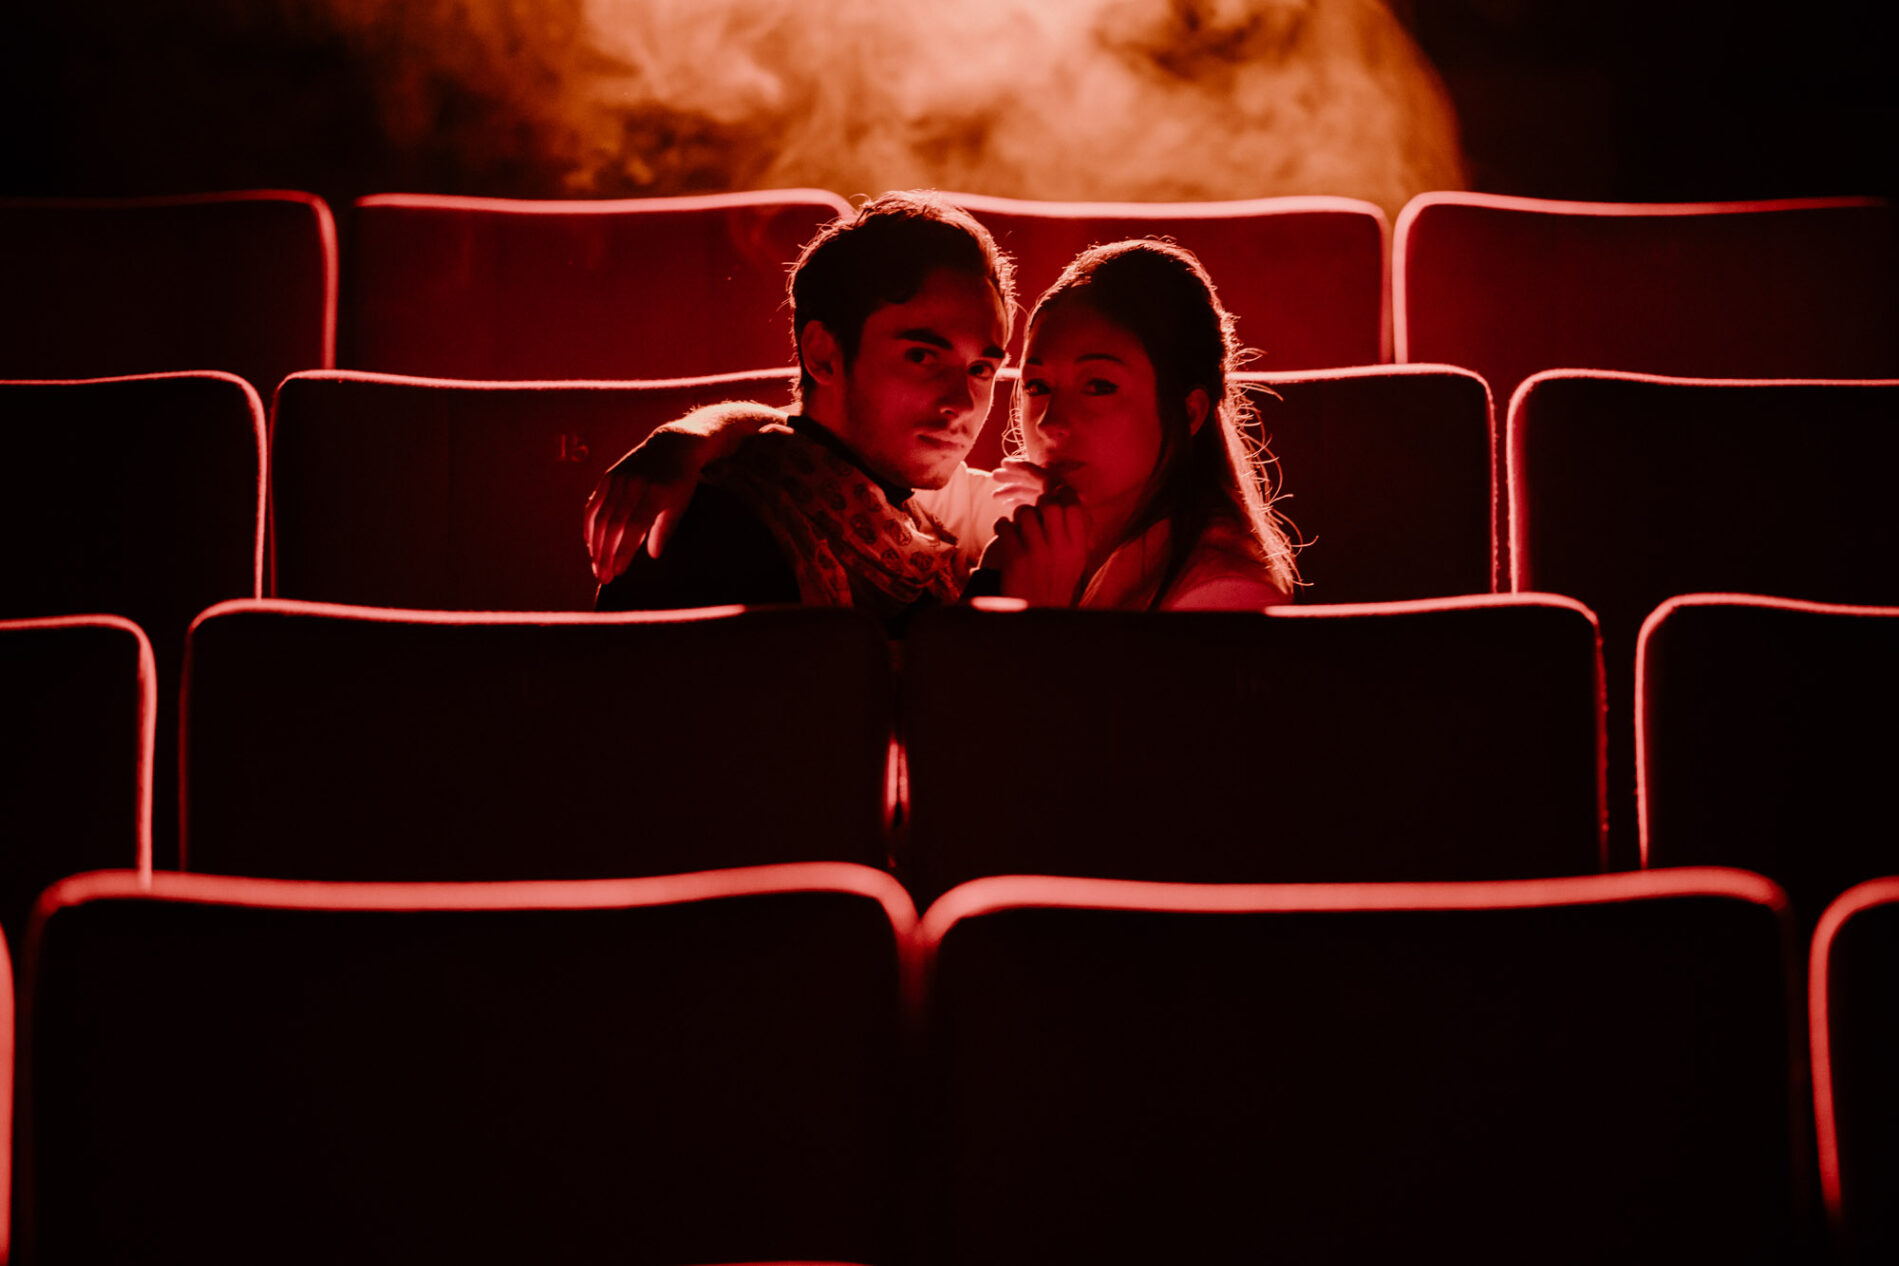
x=1197 y=406
x=822 y=354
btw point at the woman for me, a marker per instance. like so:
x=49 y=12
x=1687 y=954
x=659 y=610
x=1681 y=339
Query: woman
x=1156 y=499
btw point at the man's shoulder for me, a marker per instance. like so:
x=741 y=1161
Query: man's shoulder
x=721 y=551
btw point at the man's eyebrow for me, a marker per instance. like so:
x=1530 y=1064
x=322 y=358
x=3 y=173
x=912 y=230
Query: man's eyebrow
x=992 y=352
x=921 y=334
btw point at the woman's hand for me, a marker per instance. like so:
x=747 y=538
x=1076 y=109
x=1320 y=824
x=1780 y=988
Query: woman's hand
x=1041 y=552
x=646 y=491
x=1017 y=482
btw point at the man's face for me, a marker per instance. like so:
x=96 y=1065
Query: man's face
x=918 y=392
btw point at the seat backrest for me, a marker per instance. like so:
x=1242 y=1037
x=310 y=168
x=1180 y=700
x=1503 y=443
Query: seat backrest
x=1511 y=286
x=1853 y=991
x=690 y=1069
x=141 y=497
x=352 y=743
x=1765 y=734
x=494 y=288
x=414 y=492
x=1386 y=473
x=1626 y=490
x=241 y=282
x=1305 y=277
x=1450 y=739
x=1571 y=1070
x=78 y=705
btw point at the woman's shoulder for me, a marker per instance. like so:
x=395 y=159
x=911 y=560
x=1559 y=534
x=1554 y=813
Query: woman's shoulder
x=1227 y=571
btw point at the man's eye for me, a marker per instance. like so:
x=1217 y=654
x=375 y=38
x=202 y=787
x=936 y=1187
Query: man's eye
x=920 y=355
x=983 y=370
x=1034 y=387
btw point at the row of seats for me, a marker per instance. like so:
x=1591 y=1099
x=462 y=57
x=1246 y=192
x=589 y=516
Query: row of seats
x=1444 y=740
x=784 y=1063
x=146 y=497
x=483 y=288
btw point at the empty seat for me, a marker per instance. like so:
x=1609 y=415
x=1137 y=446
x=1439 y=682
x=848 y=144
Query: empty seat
x=1766 y=739
x=1854 y=988
x=1387 y=472
x=78 y=703
x=639 y=288
x=1626 y=490
x=1511 y=286
x=698 y=1068
x=1305 y=277
x=241 y=282
x=1573 y=1070
x=141 y=497
x=354 y=743
x=412 y=492
x=1450 y=739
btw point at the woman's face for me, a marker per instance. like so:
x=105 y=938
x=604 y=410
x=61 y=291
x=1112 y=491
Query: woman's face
x=1089 y=416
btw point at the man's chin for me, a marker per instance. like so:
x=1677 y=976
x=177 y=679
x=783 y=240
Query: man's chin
x=938 y=471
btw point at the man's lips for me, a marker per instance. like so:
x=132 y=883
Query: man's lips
x=945 y=439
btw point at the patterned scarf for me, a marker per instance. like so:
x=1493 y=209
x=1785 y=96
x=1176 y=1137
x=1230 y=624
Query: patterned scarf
x=848 y=545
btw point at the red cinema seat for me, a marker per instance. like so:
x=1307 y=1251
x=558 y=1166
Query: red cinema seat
x=242 y=282
x=639 y=288
x=6 y=1100
x=1568 y=1071
x=354 y=743
x=1626 y=490
x=1386 y=472
x=140 y=497
x=1305 y=277
x=1512 y=286
x=699 y=1068
x=1449 y=739
x=414 y=492
x=78 y=705
x=1766 y=739
x=1853 y=992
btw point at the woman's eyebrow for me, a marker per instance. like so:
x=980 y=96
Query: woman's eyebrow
x=1036 y=360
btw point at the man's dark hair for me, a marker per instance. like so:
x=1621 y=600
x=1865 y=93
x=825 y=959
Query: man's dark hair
x=881 y=255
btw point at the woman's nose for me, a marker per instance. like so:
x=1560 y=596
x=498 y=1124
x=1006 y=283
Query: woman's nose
x=1052 y=423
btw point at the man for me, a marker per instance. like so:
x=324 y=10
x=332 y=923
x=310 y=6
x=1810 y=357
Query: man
x=900 y=316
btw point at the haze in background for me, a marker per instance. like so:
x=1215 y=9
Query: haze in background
x=1094 y=99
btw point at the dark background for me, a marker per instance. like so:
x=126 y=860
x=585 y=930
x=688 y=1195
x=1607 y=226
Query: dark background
x=1594 y=99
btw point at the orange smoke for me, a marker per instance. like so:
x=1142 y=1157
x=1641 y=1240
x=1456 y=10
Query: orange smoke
x=1082 y=99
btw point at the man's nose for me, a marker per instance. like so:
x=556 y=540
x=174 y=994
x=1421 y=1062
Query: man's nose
x=958 y=398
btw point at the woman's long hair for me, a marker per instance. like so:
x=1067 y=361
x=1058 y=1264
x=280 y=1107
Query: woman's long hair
x=1160 y=293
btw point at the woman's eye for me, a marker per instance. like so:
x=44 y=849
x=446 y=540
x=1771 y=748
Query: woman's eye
x=1100 y=387
x=1034 y=387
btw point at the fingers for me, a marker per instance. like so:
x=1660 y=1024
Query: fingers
x=1018 y=471
x=1068 y=525
x=623 y=531
x=1034 y=528
x=601 y=507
